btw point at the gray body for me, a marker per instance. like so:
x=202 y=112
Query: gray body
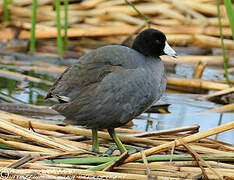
x=108 y=87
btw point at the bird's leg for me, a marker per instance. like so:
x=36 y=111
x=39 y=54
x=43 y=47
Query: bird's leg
x=95 y=145
x=117 y=140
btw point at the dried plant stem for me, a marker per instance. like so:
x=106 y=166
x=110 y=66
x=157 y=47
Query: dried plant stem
x=117 y=161
x=198 y=158
x=20 y=162
x=187 y=139
x=149 y=174
x=33 y=136
x=197 y=83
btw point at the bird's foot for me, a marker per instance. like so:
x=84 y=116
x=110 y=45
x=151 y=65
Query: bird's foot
x=111 y=149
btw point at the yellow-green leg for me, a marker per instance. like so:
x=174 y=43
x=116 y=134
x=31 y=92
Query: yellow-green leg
x=117 y=140
x=95 y=144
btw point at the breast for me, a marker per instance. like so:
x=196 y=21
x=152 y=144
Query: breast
x=156 y=79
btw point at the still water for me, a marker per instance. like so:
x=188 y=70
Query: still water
x=186 y=111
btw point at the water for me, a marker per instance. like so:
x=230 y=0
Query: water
x=185 y=109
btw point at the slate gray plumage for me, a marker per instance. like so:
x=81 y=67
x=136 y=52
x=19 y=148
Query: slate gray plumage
x=111 y=85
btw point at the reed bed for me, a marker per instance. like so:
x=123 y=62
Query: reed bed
x=193 y=23
x=35 y=149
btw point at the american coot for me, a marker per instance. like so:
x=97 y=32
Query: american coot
x=111 y=85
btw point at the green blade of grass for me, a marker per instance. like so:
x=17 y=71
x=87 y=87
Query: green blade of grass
x=225 y=66
x=32 y=40
x=65 y=24
x=152 y=158
x=58 y=22
x=139 y=12
x=5 y=11
x=230 y=14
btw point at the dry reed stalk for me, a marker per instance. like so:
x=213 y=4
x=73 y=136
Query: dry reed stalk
x=34 y=136
x=193 y=30
x=197 y=83
x=75 y=173
x=223 y=172
x=120 y=129
x=26 y=12
x=194 y=128
x=152 y=166
x=21 y=77
x=24 y=122
x=219 y=93
x=20 y=162
x=198 y=70
x=145 y=8
x=146 y=164
x=201 y=7
x=7 y=137
x=179 y=39
x=28 y=147
x=53 y=68
x=165 y=173
x=198 y=158
x=48 y=133
x=29 y=2
x=44 y=7
x=90 y=4
x=41 y=165
x=165 y=22
x=125 y=18
x=114 y=3
x=189 y=11
x=215 y=146
x=183 y=172
x=117 y=161
x=195 y=59
x=209 y=151
x=27 y=25
x=175 y=165
x=187 y=139
x=212 y=42
x=71 y=21
x=50 y=156
x=19 y=153
x=224 y=81
x=224 y=108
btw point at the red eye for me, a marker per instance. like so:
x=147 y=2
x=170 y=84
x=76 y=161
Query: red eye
x=157 y=41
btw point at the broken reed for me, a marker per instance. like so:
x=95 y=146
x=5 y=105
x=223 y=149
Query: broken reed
x=32 y=40
x=225 y=66
x=58 y=24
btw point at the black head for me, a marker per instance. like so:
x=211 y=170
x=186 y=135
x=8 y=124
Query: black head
x=153 y=43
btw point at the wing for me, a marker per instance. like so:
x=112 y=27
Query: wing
x=86 y=72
